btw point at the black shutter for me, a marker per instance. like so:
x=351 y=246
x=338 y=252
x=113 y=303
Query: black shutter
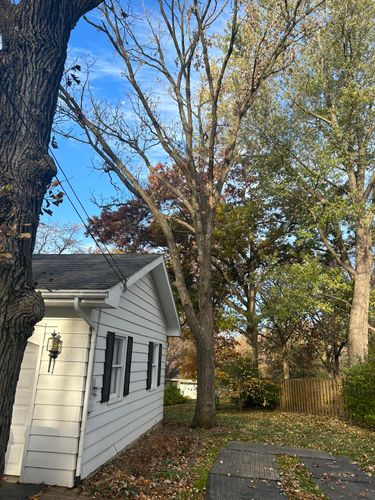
x=128 y=364
x=110 y=342
x=149 y=365
x=159 y=364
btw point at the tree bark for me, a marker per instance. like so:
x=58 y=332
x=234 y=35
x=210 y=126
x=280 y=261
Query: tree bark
x=252 y=325
x=284 y=357
x=205 y=414
x=336 y=363
x=34 y=43
x=358 y=325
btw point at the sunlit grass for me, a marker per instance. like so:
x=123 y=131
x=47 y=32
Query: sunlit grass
x=286 y=429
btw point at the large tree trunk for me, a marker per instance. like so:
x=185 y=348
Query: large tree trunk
x=205 y=414
x=34 y=43
x=358 y=325
x=201 y=324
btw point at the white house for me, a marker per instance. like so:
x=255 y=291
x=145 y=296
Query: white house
x=107 y=385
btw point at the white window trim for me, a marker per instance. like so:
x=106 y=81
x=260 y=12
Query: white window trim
x=117 y=396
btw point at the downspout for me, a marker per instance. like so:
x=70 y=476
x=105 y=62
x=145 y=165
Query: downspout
x=89 y=373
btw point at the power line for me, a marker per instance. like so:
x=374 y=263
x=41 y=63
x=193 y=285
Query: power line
x=12 y=103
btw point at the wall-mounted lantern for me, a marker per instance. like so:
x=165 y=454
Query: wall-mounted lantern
x=54 y=347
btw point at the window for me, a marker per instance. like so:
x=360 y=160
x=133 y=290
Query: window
x=117 y=371
x=154 y=365
x=117 y=367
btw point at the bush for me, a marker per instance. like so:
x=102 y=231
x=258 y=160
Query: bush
x=239 y=382
x=173 y=396
x=359 y=392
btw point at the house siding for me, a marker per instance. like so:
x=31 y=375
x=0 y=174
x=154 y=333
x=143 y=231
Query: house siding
x=21 y=410
x=50 y=454
x=112 y=426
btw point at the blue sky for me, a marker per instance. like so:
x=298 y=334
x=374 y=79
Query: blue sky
x=106 y=82
x=75 y=158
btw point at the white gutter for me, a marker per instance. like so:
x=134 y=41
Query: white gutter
x=89 y=374
x=80 y=312
x=73 y=294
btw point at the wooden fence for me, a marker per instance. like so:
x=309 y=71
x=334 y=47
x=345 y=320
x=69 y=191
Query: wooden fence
x=314 y=396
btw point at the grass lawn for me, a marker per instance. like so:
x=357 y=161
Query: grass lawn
x=173 y=461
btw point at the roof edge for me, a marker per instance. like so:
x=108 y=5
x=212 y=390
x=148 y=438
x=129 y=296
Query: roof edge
x=133 y=278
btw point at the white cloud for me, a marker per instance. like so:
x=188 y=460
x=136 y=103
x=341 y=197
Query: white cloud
x=102 y=63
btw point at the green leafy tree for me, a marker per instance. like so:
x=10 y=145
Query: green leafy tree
x=330 y=153
x=297 y=300
x=251 y=238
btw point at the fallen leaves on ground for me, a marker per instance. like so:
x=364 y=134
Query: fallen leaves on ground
x=296 y=480
x=158 y=466
x=172 y=462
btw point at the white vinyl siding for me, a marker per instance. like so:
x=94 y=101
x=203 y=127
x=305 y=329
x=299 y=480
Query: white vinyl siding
x=21 y=411
x=51 y=450
x=53 y=419
x=112 y=426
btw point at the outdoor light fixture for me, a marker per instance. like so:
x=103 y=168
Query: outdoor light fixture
x=54 y=347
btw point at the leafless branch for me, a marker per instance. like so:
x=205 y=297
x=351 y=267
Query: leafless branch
x=344 y=264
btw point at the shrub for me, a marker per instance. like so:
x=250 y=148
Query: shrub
x=359 y=392
x=239 y=382
x=173 y=396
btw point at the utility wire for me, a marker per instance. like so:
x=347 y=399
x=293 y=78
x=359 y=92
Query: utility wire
x=118 y=272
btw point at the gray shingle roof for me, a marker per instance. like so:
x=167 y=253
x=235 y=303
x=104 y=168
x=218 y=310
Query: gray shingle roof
x=84 y=272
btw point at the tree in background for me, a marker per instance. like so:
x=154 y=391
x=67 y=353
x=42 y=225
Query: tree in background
x=297 y=301
x=212 y=84
x=58 y=238
x=253 y=235
x=327 y=330
x=331 y=161
x=34 y=38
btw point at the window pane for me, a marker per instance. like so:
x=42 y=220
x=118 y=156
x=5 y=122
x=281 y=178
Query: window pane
x=117 y=354
x=115 y=380
x=154 y=365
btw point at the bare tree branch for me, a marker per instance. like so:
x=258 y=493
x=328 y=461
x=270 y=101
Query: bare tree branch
x=346 y=265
